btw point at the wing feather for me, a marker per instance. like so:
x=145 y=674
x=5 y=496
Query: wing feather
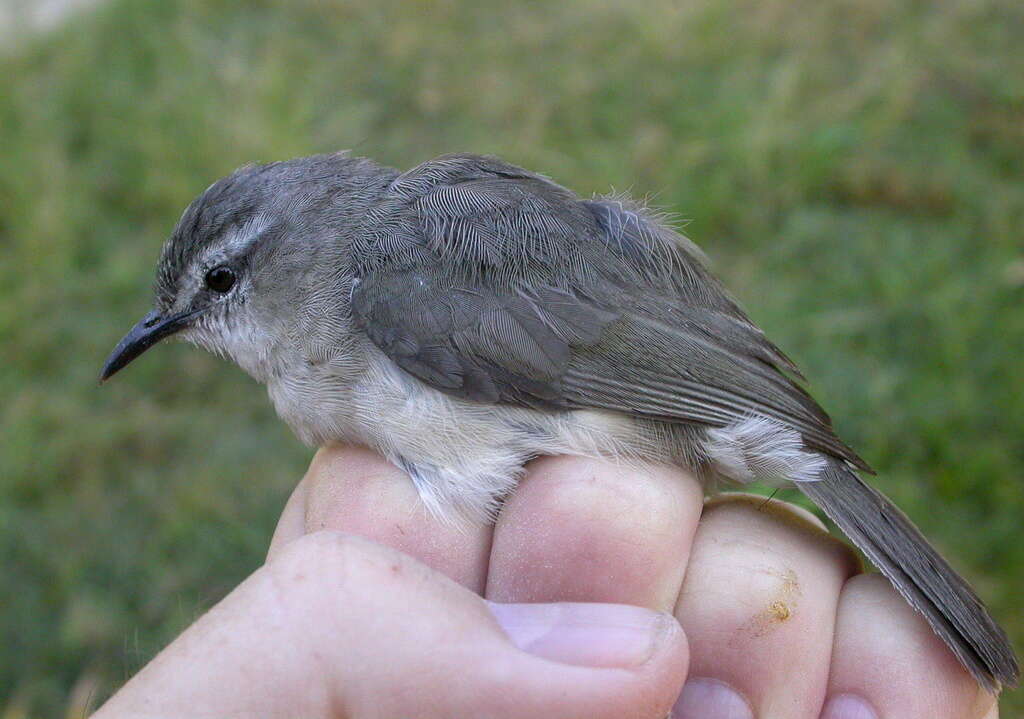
x=492 y=283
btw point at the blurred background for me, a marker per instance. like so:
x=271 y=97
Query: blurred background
x=854 y=168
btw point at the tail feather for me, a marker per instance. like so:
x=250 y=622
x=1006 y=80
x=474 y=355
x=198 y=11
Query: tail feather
x=919 y=573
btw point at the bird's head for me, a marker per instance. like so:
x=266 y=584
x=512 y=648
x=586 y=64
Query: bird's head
x=229 y=273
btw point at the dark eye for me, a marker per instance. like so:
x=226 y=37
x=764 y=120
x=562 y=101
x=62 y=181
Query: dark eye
x=220 y=279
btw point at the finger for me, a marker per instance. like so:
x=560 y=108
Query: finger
x=354 y=490
x=587 y=530
x=888 y=662
x=338 y=626
x=292 y=523
x=758 y=605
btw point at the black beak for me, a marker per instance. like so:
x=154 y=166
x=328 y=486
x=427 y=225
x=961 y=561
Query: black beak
x=150 y=329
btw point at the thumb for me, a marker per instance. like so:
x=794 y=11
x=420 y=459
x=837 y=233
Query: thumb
x=337 y=626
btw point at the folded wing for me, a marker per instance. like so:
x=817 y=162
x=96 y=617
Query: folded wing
x=494 y=284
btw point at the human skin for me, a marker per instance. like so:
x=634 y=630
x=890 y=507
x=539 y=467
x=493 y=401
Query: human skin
x=369 y=607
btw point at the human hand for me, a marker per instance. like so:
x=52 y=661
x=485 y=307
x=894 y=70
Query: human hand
x=778 y=622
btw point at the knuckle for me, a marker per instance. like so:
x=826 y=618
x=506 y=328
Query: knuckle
x=753 y=598
x=756 y=575
x=321 y=557
x=775 y=507
x=332 y=561
x=869 y=585
x=781 y=529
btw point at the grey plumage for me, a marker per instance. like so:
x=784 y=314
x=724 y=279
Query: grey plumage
x=466 y=315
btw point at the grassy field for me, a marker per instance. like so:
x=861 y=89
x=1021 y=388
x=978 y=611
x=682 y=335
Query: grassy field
x=854 y=168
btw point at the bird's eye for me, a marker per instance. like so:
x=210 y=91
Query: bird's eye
x=220 y=279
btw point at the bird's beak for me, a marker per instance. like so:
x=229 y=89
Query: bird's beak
x=147 y=332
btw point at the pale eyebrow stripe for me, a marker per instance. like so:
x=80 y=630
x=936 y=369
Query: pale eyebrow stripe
x=246 y=235
x=239 y=241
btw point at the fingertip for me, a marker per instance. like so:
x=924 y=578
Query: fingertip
x=886 y=653
x=992 y=713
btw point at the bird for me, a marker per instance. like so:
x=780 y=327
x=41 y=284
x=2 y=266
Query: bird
x=467 y=315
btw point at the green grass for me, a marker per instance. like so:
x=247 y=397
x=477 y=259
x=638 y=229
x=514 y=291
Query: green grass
x=855 y=169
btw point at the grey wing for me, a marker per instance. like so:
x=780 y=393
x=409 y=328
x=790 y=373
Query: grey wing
x=474 y=343
x=491 y=283
x=457 y=281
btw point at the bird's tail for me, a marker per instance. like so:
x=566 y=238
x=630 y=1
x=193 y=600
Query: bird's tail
x=924 y=578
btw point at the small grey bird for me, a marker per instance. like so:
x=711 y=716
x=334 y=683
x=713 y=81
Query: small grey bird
x=467 y=315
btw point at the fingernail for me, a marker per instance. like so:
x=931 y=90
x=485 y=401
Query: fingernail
x=593 y=635
x=848 y=706
x=710 y=699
